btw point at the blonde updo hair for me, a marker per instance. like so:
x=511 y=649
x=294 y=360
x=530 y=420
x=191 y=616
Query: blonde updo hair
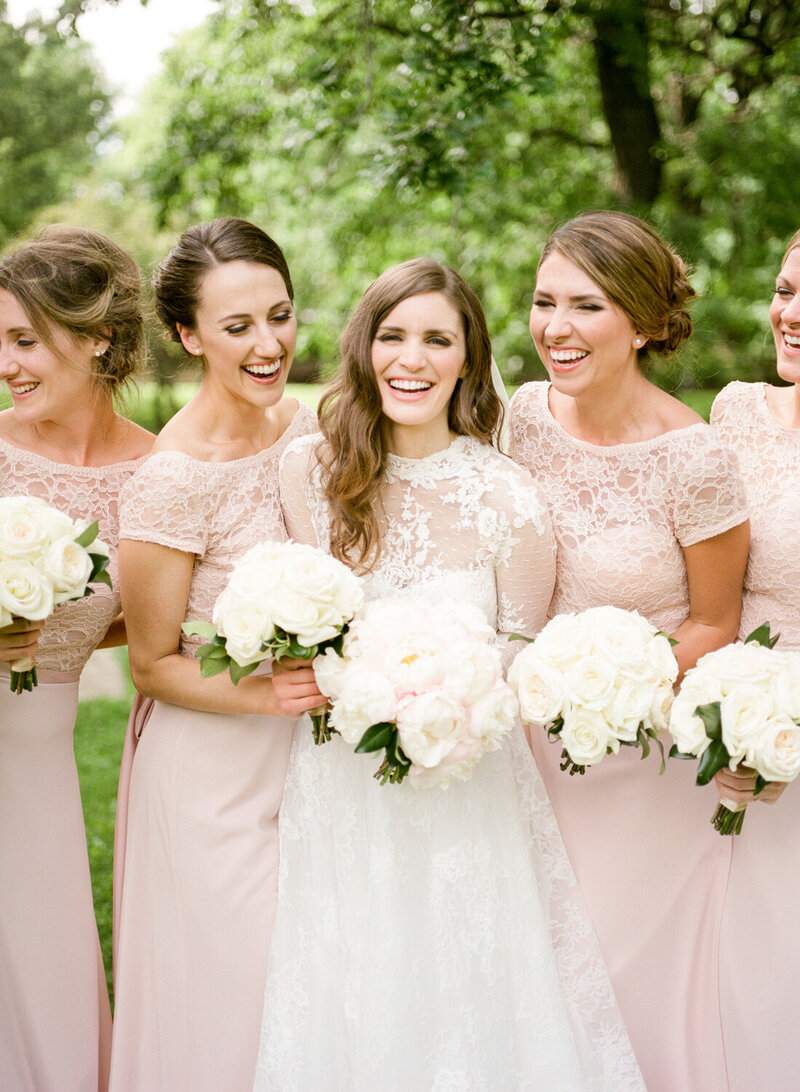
x=82 y=283
x=636 y=269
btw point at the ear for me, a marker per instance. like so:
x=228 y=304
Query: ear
x=189 y=340
x=100 y=344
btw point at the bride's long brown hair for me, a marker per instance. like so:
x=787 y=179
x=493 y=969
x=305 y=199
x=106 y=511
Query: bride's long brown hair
x=350 y=416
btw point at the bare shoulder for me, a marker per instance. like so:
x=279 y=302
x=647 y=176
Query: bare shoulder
x=673 y=414
x=135 y=440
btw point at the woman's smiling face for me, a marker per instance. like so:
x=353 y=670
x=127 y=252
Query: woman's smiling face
x=583 y=338
x=784 y=315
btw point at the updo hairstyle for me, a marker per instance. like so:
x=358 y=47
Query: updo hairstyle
x=793 y=242
x=178 y=280
x=82 y=283
x=636 y=269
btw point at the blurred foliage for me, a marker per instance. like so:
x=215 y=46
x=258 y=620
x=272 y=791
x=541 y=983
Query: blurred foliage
x=363 y=132
x=53 y=112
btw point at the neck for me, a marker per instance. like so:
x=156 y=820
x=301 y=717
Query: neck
x=794 y=407
x=78 y=439
x=415 y=442
x=227 y=422
x=607 y=414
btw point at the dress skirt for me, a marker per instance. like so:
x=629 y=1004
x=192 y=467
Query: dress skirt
x=55 y=1023
x=654 y=874
x=195 y=896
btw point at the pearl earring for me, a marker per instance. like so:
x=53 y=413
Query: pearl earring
x=99 y=352
x=638 y=342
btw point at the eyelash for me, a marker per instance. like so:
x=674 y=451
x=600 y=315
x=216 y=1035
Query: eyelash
x=440 y=341
x=784 y=293
x=240 y=328
x=543 y=304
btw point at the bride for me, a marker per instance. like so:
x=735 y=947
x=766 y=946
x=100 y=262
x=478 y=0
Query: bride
x=427 y=939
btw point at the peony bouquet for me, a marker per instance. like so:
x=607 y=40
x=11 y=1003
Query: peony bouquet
x=282 y=600
x=46 y=558
x=596 y=681
x=740 y=706
x=424 y=683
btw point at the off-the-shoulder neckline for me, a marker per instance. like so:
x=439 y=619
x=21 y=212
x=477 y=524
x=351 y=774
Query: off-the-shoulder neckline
x=272 y=451
x=663 y=438
x=87 y=471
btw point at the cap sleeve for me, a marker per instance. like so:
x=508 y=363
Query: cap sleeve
x=728 y=407
x=708 y=492
x=168 y=502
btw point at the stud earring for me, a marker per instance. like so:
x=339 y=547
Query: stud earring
x=638 y=342
x=99 y=352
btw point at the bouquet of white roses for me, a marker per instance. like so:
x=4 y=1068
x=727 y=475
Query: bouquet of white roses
x=46 y=558
x=423 y=682
x=596 y=681
x=282 y=600
x=740 y=706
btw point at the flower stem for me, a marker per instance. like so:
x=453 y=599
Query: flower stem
x=726 y=821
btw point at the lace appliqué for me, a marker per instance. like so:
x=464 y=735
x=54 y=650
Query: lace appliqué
x=88 y=493
x=622 y=515
x=769 y=458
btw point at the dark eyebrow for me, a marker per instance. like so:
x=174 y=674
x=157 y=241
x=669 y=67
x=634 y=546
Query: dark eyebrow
x=572 y=299
x=247 y=315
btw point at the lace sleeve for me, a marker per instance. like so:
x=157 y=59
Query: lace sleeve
x=168 y=502
x=708 y=493
x=519 y=421
x=526 y=572
x=302 y=502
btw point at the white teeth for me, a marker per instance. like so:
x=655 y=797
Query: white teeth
x=566 y=356
x=409 y=384
x=25 y=388
x=794 y=341
x=264 y=369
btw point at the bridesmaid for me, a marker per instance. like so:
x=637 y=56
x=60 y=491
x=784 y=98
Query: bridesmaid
x=70 y=335
x=650 y=515
x=759 y=949
x=197 y=827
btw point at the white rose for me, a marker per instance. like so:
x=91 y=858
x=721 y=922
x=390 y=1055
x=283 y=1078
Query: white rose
x=429 y=726
x=586 y=737
x=245 y=625
x=24 y=534
x=538 y=687
x=68 y=566
x=25 y=592
x=629 y=707
x=786 y=685
x=309 y=621
x=744 y=712
x=734 y=665
x=776 y=755
x=661 y=659
x=493 y=716
x=687 y=729
x=660 y=707
x=365 y=698
x=564 y=641
x=592 y=682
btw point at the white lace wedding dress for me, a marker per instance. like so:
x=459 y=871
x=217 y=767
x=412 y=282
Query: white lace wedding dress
x=431 y=939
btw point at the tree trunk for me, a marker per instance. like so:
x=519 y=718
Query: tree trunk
x=621 y=48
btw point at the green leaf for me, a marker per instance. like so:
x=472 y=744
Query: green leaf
x=88 y=535
x=201 y=629
x=710 y=716
x=761 y=784
x=210 y=667
x=238 y=672
x=761 y=636
x=520 y=637
x=395 y=753
x=643 y=742
x=675 y=753
x=711 y=761
x=375 y=737
x=211 y=652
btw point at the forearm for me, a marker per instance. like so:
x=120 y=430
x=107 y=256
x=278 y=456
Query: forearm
x=176 y=679
x=696 y=638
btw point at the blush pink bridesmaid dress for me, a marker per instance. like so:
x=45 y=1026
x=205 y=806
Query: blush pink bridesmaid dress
x=760 y=937
x=651 y=867
x=55 y=1023
x=197 y=821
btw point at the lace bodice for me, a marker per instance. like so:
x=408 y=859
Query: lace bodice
x=464 y=522
x=769 y=457
x=89 y=493
x=622 y=514
x=216 y=511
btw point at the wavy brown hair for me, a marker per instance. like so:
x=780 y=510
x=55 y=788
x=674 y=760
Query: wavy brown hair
x=793 y=242
x=350 y=415
x=636 y=269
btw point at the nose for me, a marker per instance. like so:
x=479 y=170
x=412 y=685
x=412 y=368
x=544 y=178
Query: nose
x=8 y=366
x=266 y=343
x=412 y=353
x=558 y=324
x=791 y=312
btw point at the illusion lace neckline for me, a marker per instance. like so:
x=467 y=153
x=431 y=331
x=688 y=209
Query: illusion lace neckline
x=439 y=464
x=763 y=405
x=611 y=449
x=81 y=471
